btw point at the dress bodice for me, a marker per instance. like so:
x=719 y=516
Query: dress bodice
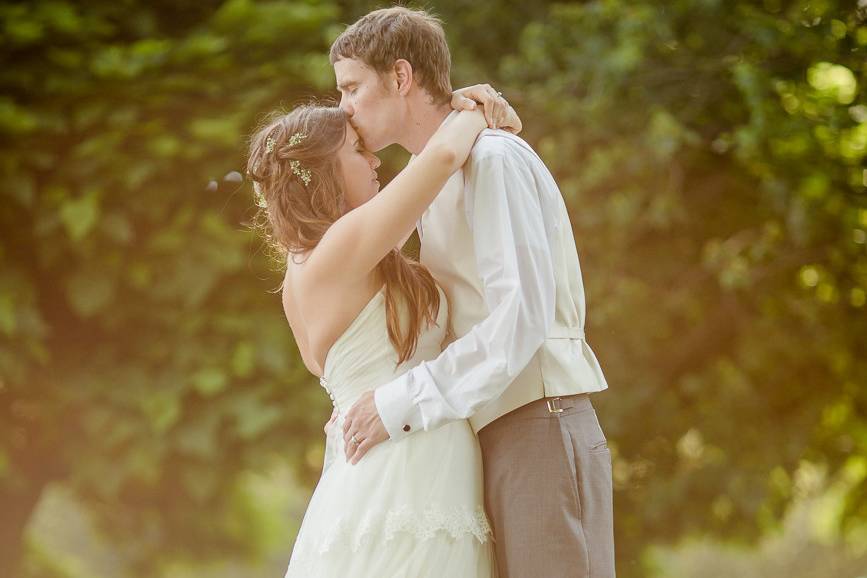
x=363 y=357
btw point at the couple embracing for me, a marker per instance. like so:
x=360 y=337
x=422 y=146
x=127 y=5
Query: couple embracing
x=463 y=442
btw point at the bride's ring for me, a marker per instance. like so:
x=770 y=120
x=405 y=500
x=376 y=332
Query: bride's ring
x=354 y=440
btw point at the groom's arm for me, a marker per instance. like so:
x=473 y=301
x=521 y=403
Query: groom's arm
x=514 y=263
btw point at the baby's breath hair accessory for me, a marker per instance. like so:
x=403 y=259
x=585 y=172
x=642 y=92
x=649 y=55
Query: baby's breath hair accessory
x=300 y=172
x=297 y=138
x=259 y=197
x=294 y=140
x=297 y=169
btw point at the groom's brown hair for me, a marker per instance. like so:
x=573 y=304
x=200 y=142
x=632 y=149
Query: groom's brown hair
x=381 y=37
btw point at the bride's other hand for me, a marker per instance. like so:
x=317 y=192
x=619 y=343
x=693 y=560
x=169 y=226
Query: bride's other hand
x=498 y=111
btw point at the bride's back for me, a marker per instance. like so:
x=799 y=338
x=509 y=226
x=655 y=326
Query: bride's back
x=318 y=315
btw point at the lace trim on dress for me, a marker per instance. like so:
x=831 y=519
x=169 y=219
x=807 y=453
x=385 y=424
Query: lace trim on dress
x=456 y=522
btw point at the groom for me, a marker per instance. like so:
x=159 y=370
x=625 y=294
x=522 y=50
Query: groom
x=499 y=241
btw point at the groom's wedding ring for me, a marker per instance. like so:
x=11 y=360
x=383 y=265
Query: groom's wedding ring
x=354 y=440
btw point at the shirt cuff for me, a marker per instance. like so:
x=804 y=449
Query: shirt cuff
x=399 y=415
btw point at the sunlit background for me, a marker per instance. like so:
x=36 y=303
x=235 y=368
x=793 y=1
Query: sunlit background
x=155 y=418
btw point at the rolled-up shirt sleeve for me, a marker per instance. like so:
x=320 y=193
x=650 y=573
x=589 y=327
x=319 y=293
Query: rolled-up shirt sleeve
x=513 y=260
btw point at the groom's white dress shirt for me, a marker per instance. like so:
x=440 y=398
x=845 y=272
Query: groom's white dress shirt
x=499 y=241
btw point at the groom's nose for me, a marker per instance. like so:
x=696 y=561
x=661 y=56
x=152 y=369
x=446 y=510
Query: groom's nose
x=346 y=106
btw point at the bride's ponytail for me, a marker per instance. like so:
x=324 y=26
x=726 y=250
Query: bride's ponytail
x=408 y=284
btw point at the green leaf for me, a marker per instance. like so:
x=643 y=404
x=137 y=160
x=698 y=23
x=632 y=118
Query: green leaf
x=15 y=120
x=89 y=291
x=254 y=418
x=210 y=381
x=80 y=215
x=244 y=359
x=163 y=410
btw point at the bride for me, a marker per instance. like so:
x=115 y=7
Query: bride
x=361 y=314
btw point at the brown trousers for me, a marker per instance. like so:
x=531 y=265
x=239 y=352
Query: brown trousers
x=548 y=490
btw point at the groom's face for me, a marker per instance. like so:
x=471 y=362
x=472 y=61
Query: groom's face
x=370 y=100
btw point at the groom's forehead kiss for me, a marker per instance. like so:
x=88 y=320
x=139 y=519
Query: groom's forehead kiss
x=362 y=89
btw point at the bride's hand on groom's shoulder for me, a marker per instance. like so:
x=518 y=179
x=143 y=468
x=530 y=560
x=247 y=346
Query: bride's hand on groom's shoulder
x=498 y=112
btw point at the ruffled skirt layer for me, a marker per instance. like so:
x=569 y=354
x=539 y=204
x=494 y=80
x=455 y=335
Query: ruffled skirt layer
x=412 y=508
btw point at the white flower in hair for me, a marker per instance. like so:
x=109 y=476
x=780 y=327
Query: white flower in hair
x=258 y=196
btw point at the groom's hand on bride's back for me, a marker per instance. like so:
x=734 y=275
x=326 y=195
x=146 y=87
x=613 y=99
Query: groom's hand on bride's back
x=362 y=421
x=498 y=112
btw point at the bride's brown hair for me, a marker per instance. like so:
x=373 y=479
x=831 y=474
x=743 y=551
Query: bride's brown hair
x=298 y=183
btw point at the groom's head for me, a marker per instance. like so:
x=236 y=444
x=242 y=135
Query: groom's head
x=388 y=62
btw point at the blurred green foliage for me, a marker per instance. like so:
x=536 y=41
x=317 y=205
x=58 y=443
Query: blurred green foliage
x=712 y=154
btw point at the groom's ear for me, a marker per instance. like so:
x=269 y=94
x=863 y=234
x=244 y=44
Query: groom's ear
x=403 y=76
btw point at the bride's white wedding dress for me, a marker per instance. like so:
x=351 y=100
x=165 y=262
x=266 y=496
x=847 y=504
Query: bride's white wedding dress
x=408 y=509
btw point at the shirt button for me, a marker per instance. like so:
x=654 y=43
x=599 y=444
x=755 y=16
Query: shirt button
x=406 y=427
